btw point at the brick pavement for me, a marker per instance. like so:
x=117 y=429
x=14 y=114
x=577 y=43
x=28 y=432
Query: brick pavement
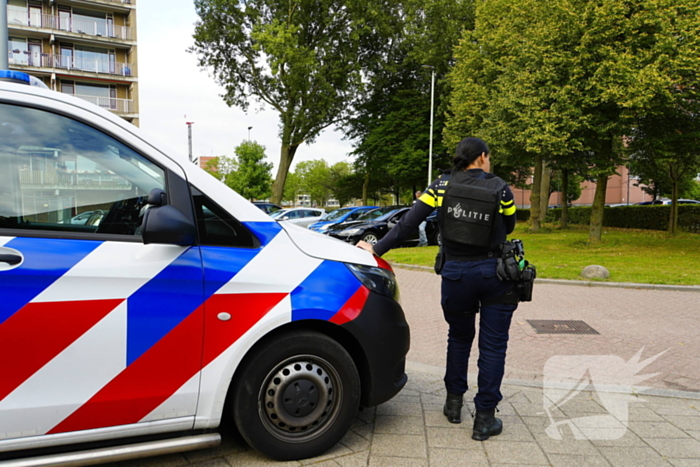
x=661 y=427
x=627 y=319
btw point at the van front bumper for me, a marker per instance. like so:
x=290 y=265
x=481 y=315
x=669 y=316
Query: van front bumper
x=383 y=333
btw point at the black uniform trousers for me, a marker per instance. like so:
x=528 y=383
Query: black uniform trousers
x=465 y=284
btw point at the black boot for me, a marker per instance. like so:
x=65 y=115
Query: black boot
x=486 y=424
x=453 y=408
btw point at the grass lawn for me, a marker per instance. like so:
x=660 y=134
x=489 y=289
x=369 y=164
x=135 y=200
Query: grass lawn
x=639 y=256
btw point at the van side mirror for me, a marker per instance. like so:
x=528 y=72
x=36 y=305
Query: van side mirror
x=164 y=223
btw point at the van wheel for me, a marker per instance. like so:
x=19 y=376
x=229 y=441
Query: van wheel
x=296 y=396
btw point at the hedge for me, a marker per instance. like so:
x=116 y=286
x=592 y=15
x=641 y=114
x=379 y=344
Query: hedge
x=629 y=217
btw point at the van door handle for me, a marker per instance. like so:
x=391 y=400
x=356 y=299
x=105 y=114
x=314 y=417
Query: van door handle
x=10 y=259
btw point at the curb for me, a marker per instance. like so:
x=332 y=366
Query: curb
x=619 y=285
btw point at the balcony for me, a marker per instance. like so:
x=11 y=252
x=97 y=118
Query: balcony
x=18 y=16
x=69 y=63
x=83 y=180
x=119 y=106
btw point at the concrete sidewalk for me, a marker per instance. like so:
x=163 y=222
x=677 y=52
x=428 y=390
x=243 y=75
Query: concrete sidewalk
x=660 y=422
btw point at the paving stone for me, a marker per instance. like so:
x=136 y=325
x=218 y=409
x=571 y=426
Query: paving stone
x=359 y=459
x=577 y=447
x=629 y=439
x=385 y=445
x=231 y=443
x=643 y=414
x=394 y=407
x=513 y=431
x=677 y=448
x=441 y=457
x=366 y=415
x=448 y=438
x=582 y=406
x=666 y=408
x=437 y=418
x=565 y=460
x=685 y=422
x=336 y=451
x=211 y=463
x=255 y=459
x=364 y=430
x=399 y=425
x=379 y=461
x=355 y=442
x=515 y=452
x=656 y=430
x=168 y=460
x=642 y=456
x=684 y=462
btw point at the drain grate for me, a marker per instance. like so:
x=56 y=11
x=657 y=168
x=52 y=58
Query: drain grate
x=554 y=326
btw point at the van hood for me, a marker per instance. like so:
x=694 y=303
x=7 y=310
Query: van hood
x=325 y=247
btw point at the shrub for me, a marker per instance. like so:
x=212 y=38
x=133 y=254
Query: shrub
x=629 y=217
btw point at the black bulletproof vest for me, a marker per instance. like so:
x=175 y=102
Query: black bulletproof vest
x=470 y=209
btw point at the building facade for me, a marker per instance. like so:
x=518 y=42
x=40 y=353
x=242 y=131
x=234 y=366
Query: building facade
x=86 y=48
x=622 y=188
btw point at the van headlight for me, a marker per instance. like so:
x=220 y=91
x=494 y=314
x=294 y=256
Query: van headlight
x=376 y=279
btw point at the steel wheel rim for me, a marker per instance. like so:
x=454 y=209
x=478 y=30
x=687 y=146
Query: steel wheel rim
x=300 y=398
x=371 y=239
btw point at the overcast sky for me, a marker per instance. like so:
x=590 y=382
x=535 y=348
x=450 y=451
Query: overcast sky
x=174 y=90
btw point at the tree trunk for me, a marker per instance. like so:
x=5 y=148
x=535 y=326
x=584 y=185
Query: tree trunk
x=564 y=221
x=535 y=196
x=365 y=189
x=673 y=220
x=544 y=190
x=286 y=157
x=598 y=209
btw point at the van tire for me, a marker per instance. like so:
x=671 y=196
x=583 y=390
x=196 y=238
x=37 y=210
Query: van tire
x=296 y=396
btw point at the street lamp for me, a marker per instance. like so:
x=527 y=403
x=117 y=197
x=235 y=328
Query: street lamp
x=249 y=128
x=432 y=103
x=189 y=139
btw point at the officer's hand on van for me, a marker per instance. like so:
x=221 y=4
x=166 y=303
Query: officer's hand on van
x=365 y=246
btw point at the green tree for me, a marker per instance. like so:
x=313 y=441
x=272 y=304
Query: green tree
x=252 y=179
x=292 y=189
x=220 y=166
x=392 y=124
x=303 y=58
x=339 y=173
x=562 y=81
x=315 y=177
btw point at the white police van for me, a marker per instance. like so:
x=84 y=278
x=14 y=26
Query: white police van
x=175 y=304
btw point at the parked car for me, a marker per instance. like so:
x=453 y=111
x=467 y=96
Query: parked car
x=299 y=216
x=185 y=304
x=81 y=218
x=373 y=225
x=266 y=207
x=660 y=202
x=338 y=216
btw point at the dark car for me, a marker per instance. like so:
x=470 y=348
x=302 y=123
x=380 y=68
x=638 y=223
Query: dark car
x=373 y=225
x=268 y=208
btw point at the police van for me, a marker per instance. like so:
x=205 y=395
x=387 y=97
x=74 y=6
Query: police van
x=174 y=305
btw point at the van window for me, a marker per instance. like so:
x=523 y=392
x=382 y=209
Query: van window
x=218 y=228
x=60 y=174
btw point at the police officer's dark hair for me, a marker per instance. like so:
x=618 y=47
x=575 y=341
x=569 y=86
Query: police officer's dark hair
x=468 y=150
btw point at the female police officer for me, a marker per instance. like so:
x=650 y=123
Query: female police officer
x=469 y=283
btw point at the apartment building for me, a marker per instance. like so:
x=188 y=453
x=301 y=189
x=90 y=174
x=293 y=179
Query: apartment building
x=86 y=48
